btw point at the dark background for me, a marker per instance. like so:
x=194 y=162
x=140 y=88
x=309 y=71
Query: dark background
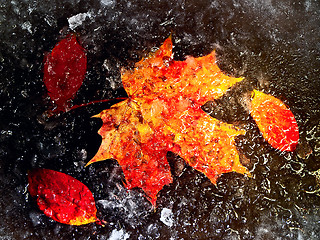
x=273 y=44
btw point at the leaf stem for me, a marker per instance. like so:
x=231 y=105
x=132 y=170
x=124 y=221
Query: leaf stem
x=94 y=102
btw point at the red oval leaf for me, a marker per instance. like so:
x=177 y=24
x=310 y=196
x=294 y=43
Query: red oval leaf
x=64 y=71
x=62 y=197
x=275 y=121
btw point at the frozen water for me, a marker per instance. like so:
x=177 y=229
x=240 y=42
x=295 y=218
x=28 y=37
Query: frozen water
x=35 y=218
x=108 y=3
x=119 y=235
x=78 y=19
x=167 y=217
x=273 y=44
x=125 y=203
x=27 y=25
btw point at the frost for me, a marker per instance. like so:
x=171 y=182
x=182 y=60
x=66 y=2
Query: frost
x=153 y=231
x=167 y=217
x=35 y=218
x=119 y=235
x=76 y=20
x=108 y=3
x=123 y=202
x=27 y=26
x=50 y=20
x=307 y=5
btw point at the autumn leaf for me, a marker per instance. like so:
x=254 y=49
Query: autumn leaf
x=163 y=113
x=275 y=121
x=62 y=197
x=64 y=71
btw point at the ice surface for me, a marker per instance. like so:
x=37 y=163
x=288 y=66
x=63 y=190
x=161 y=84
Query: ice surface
x=27 y=25
x=119 y=235
x=78 y=19
x=35 y=218
x=167 y=217
x=108 y=2
x=273 y=44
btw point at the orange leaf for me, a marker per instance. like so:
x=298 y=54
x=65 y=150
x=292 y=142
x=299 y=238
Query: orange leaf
x=62 y=197
x=163 y=113
x=275 y=121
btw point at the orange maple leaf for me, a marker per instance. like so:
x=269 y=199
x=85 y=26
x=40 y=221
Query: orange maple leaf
x=163 y=113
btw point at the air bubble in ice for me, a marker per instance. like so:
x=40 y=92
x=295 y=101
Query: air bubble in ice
x=27 y=26
x=153 y=231
x=108 y=3
x=307 y=5
x=83 y=154
x=119 y=235
x=35 y=218
x=76 y=20
x=167 y=217
x=50 y=20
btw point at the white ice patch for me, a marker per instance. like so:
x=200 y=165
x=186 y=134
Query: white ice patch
x=104 y=203
x=118 y=235
x=76 y=20
x=35 y=218
x=167 y=217
x=108 y=3
x=27 y=26
x=50 y=20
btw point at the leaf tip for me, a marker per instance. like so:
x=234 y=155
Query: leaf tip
x=88 y=163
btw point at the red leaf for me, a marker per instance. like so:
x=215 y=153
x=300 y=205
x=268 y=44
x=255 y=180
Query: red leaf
x=64 y=71
x=275 y=121
x=62 y=197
